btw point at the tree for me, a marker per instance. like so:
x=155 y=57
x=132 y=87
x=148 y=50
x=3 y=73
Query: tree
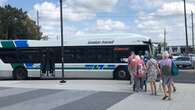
x=16 y=24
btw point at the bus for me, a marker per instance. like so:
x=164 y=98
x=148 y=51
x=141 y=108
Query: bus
x=85 y=56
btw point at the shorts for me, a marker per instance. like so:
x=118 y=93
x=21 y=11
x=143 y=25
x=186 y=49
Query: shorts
x=167 y=80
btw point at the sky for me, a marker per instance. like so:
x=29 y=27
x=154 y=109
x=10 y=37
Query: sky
x=146 y=17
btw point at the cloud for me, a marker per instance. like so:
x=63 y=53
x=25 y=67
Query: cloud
x=3 y=2
x=169 y=15
x=110 y=25
x=91 y=5
x=144 y=4
x=47 y=11
x=175 y=8
x=73 y=11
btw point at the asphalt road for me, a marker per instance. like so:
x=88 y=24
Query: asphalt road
x=185 y=76
x=47 y=99
x=30 y=97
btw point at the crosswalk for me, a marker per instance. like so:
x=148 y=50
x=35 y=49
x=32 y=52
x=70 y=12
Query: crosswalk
x=12 y=98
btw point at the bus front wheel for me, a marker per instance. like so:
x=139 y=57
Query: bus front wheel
x=20 y=74
x=121 y=74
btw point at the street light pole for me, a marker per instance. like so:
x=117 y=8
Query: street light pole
x=186 y=29
x=38 y=17
x=62 y=42
x=192 y=16
x=165 y=32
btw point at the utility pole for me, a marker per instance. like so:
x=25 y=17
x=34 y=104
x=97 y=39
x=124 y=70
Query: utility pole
x=192 y=16
x=165 y=39
x=38 y=17
x=186 y=29
x=62 y=42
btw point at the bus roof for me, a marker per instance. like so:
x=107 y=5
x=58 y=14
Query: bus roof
x=81 y=40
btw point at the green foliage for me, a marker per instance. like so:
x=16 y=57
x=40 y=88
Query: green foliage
x=16 y=24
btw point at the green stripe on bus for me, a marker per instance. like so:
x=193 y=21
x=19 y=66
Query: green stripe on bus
x=7 y=44
x=10 y=44
x=16 y=65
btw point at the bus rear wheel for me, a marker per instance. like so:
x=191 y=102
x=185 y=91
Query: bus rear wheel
x=20 y=74
x=121 y=74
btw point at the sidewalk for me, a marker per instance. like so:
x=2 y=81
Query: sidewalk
x=182 y=99
x=86 y=85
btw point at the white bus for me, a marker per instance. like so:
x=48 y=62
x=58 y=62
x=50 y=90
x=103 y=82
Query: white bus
x=89 y=56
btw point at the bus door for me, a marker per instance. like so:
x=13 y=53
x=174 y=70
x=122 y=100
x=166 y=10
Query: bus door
x=47 y=64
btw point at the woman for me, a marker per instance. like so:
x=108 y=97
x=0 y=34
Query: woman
x=153 y=69
x=165 y=66
x=138 y=73
x=130 y=65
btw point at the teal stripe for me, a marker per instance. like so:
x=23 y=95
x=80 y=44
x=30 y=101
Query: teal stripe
x=7 y=44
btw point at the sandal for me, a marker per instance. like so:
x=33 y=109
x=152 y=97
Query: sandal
x=174 y=89
x=164 y=97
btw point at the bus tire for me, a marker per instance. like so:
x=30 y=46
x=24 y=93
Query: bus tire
x=121 y=73
x=20 y=73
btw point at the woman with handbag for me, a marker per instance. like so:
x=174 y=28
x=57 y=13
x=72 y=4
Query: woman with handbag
x=153 y=70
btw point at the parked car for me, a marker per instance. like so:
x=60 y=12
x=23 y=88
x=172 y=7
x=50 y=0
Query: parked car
x=192 y=56
x=174 y=56
x=184 y=61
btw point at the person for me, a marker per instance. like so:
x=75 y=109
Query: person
x=130 y=65
x=145 y=59
x=165 y=67
x=138 y=73
x=173 y=86
x=152 y=70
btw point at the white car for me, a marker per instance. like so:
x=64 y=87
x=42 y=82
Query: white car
x=192 y=56
x=184 y=61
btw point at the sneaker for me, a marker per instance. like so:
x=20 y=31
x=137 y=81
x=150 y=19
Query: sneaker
x=131 y=82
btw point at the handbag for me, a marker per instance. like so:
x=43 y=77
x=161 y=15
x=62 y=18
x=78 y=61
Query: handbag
x=174 y=69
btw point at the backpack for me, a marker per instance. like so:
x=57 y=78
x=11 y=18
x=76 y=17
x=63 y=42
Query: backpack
x=166 y=70
x=139 y=72
x=174 y=69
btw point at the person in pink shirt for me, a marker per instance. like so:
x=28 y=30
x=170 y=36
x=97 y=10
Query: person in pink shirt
x=138 y=73
x=131 y=61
